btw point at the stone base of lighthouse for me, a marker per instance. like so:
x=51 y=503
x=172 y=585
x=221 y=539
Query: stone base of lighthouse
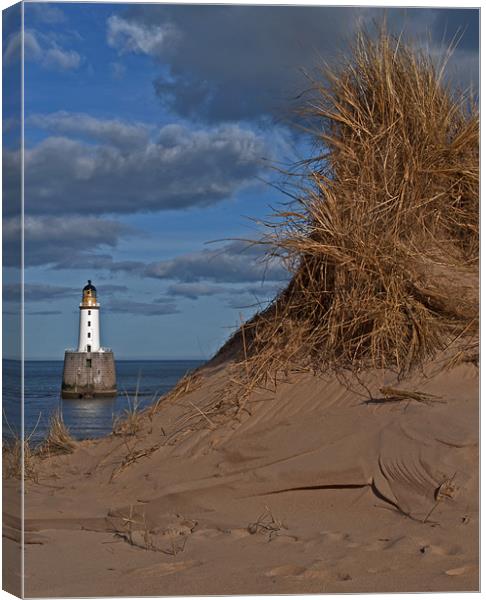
x=89 y=375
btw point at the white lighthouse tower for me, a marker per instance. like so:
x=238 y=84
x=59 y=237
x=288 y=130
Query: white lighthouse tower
x=89 y=371
x=89 y=321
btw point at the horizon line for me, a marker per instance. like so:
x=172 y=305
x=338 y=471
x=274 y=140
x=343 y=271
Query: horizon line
x=39 y=359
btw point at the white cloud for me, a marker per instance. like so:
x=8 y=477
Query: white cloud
x=46 y=13
x=42 y=50
x=118 y=70
x=13 y=47
x=112 y=131
x=139 y=38
x=178 y=167
x=51 y=240
x=63 y=60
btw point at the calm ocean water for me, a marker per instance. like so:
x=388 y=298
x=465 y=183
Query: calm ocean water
x=85 y=418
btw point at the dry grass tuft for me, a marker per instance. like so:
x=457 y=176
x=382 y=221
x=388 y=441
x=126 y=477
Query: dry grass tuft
x=382 y=239
x=22 y=458
x=12 y=460
x=58 y=439
x=19 y=456
x=129 y=423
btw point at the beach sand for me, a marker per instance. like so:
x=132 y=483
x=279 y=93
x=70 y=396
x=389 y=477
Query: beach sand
x=314 y=488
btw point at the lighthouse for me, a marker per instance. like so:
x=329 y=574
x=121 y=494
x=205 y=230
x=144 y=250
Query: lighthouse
x=89 y=371
x=89 y=320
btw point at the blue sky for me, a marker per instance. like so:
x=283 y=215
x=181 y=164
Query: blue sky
x=149 y=132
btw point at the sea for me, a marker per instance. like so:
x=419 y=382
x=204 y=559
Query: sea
x=139 y=382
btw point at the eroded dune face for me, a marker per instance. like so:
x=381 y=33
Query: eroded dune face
x=315 y=487
x=412 y=449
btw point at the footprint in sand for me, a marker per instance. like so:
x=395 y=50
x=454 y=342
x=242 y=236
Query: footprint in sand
x=315 y=574
x=238 y=533
x=286 y=571
x=374 y=546
x=336 y=536
x=284 y=538
x=440 y=550
x=162 y=569
x=207 y=534
x=464 y=570
x=412 y=546
x=314 y=571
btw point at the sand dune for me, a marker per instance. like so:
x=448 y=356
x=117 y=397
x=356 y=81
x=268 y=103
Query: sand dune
x=316 y=489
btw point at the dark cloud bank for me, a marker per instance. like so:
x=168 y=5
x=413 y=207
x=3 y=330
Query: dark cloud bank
x=233 y=263
x=252 y=65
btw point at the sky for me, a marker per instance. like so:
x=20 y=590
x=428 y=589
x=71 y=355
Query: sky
x=152 y=133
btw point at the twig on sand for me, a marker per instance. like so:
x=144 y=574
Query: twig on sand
x=447 y=489
x=174 y=547
x=131 y=458
x=395 y=394
x=243 y=336
x=267 y=524
x=213 y=426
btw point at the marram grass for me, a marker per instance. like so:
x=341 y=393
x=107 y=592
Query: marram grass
x=382 y=240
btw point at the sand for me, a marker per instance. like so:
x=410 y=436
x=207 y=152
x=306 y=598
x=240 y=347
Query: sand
x=315 y=488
